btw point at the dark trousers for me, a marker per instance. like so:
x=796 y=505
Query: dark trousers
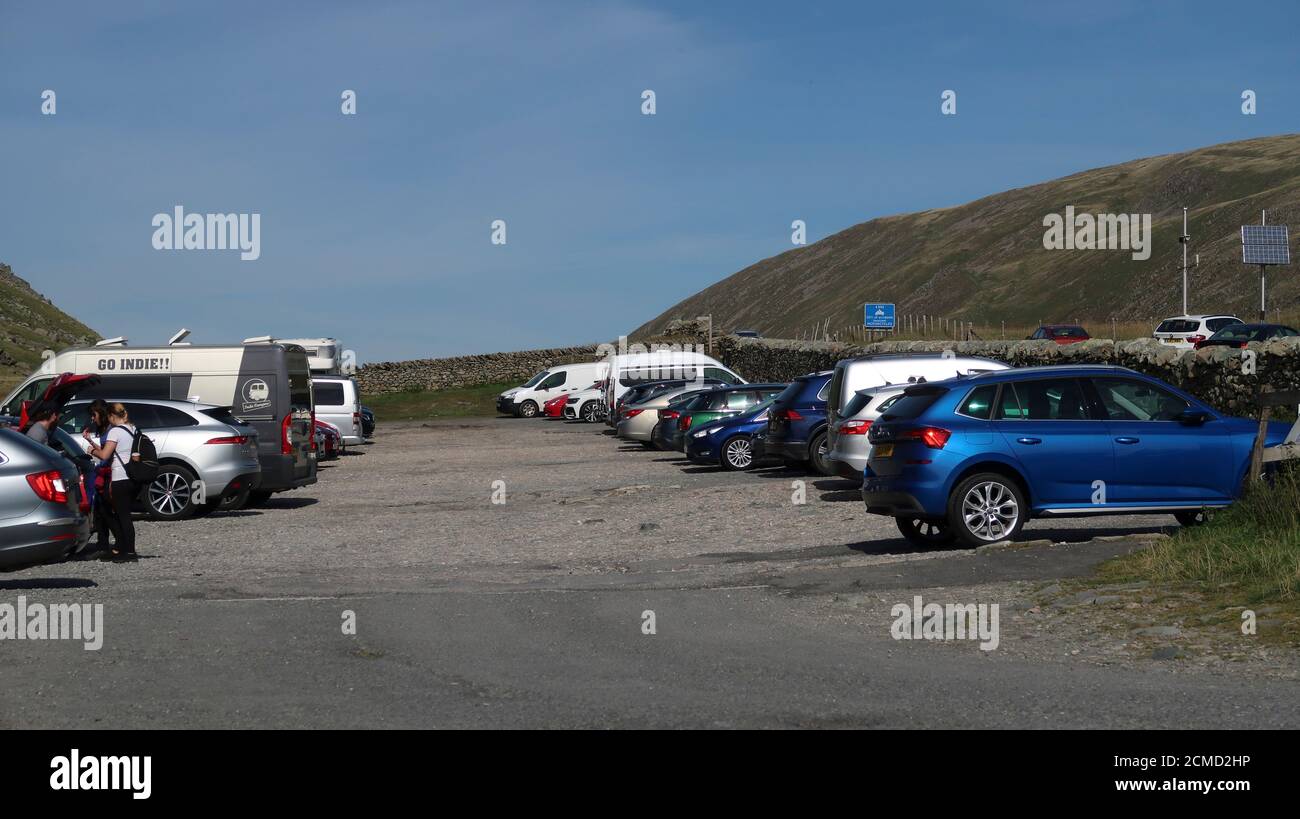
x=102 y=517
x=119 y=518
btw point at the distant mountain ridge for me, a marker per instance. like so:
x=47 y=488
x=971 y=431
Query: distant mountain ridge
x=31 y=324
x=985 y=261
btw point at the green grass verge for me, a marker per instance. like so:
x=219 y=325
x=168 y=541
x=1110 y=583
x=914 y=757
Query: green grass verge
x=460 y=402
x=1249 y=552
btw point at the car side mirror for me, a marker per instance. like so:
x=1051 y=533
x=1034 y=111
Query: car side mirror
x=1193 y=417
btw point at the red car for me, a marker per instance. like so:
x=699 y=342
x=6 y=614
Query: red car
x=555 y=407
x=1060 y=333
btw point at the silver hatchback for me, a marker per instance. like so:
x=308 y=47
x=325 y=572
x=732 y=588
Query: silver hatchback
x=846 y=439
x=41 y=515
x=207 y=459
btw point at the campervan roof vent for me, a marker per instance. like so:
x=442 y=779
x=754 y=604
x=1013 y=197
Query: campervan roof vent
x=259 y=340
x=179 y=338
x=116 y=341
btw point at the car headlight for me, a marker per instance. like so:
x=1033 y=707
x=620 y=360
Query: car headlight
x=701 y=433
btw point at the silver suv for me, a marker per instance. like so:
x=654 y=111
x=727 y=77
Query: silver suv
x=207 y=459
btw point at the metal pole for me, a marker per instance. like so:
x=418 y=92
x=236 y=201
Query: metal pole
x=1185 y=240
x=1263 y=311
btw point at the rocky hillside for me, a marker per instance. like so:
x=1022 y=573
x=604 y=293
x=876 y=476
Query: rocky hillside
x=985 y=261
x=29 y=325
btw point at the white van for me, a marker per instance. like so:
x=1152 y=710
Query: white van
x=631 y=369
x=266 y=384
x=853 y=374
x=338 y=403
x=526 y=400
x=324 y=355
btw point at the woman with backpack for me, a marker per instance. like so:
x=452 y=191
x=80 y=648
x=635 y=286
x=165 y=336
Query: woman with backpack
x=117 y=448
x=97 y=489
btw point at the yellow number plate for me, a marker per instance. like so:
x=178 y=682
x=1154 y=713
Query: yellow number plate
x=883 y=450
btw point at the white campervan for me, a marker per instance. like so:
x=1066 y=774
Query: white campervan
x=631 y=369
x=324 y=355
x=526 y=400
x=853 y=374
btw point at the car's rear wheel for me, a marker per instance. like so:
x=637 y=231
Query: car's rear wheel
x=258 y=497
x=927 y=533
x=528 y=409
x=818 y=450
x=230 y=503
x=986 y=508
x=170 y=495
x=1193 y=517
x=738 y=453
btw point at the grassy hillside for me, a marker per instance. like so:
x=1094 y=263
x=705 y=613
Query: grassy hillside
x=985 y=261
x=30 y=324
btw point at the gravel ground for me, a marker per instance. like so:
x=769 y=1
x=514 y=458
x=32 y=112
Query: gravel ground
x=528 y=612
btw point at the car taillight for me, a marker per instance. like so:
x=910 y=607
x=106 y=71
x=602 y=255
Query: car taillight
x=49 y=486
x=1195 y=339
x=83 y=503
x=855 y=427
x=286 y=445
x=1242 y=345
x=356 y=420
x=668 y=415
x=632 y=413
x=933 y=437
x=788 y=415
x=684 y=423
x=237 y=440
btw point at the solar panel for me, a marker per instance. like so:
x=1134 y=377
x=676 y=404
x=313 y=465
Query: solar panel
x=1265 y=244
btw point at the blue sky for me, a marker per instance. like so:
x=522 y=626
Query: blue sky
x=376 y=227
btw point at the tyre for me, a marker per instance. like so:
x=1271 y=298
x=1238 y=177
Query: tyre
x=230 y=503
x=1194 y=517
x=650 y=445
x=930 y=534
x=986 y=508
x=588 y=412
x=170 y=495
x=737 y=453
x=528 y=409
x=817 y=455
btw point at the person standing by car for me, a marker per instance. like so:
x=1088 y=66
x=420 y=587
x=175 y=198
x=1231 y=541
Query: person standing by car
x=97 y=489
x=42 y=422
x=117 y=449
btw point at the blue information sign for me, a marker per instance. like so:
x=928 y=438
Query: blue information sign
x=878 y=316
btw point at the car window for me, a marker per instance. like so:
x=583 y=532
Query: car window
x=740 y=400
x=908 y=407
x=1048 y=399
x=1068 y=332
x=1008 y=406
x=1126 y=399
x=979 y=404
x=532 y=382
x=1217 y=324
x=552 y=381
x=328 y=393
x=142 y=415
x=720 y=374
x=73 y=419
x=1234 y=332
x=30 y=392
x=1178 y=326
x=170 y=418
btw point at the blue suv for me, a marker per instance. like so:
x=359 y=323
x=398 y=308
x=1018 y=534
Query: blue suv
x=971 y=459
x=796 y=426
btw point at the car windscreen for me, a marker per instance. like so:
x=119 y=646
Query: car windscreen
x=1236 y=332
x=1178 y=326
x=1067 y=332
x=860 y=401
x=912 y=404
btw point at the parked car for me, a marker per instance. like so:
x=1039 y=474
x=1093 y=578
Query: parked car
x=720 y=402
x=195 y=442
x=42 y=503
x=651 y=389
x=367 y=422
x=796 y=426
x=335 y=401
x=972 y=459
x=555 y=407
x=526 y=400
x=1239 y=335
x=1060 y=333
x=729 y=442
x=846 y=439
x=665 y=428
x=585 y=405
x=1184 y=332
x=329 y=442
x=633 y=369
x=637 y=420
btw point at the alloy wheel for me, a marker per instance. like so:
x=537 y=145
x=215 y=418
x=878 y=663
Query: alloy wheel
x=739 y=453
x=990 y=511
x=169 y=494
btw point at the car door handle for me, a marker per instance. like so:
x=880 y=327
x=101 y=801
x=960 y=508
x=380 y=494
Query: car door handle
x=1029 y=440
x=1127 y=439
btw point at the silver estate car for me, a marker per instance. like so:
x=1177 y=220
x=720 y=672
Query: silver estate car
x=196 y=443
x=846 y=438
x=41 y=515
x=638 y=421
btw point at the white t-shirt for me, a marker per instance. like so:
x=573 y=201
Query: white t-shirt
x=121 y=455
